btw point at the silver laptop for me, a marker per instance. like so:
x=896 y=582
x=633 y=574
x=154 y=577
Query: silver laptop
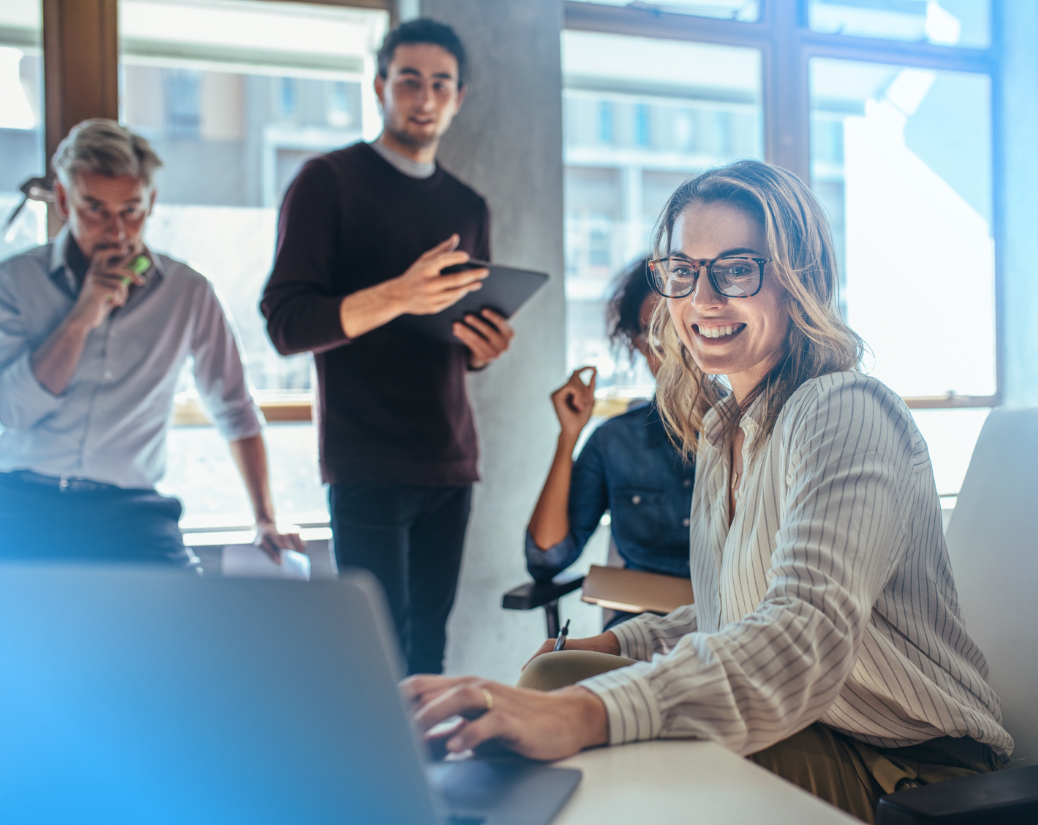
x=133 y=696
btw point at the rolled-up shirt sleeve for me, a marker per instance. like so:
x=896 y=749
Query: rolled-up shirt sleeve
x=23 y=399
x=219 y=372
x=778 y=669
x=588 y=500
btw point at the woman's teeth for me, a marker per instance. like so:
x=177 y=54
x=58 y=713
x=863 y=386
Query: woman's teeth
x=720 y=332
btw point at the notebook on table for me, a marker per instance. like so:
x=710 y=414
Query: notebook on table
x=635 y=591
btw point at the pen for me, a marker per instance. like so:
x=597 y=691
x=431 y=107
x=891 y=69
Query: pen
x=559 y=642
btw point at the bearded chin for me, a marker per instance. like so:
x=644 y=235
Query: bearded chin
x=410 y=140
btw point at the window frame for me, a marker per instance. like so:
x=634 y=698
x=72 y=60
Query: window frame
x=787 y=45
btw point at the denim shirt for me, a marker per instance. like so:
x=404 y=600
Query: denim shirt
x=630 y=468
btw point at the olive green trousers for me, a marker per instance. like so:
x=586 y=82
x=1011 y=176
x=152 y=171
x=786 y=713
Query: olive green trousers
x=837 y=768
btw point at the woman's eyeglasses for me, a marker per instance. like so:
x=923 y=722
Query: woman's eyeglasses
x=734 y=277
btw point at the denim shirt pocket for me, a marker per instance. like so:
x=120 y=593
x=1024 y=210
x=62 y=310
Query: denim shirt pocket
x=639 y=516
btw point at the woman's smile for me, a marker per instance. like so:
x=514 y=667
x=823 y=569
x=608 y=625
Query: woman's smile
x=718 y=332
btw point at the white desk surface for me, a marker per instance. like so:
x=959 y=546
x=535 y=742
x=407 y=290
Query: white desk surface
x=681 y=781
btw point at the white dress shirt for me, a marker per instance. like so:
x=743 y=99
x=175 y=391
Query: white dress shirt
x=830 y=598
x=110 y=423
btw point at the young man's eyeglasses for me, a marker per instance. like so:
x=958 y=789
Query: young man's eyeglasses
x=734 y=276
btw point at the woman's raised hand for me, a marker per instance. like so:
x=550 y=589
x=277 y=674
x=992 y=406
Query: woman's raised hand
x=574 y=401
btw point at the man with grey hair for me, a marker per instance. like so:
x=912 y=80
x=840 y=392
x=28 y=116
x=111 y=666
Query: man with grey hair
x=94 y=331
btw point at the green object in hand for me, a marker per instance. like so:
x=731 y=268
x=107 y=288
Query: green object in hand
x=140 y=265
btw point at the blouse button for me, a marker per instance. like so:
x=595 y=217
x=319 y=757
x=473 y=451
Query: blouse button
x=686 y=522
x=636 y=499
x=686 y=483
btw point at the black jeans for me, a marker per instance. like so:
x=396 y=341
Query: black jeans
x=410 y=537
x=82 y=521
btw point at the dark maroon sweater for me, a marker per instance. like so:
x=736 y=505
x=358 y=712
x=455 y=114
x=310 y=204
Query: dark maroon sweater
x=392 y=404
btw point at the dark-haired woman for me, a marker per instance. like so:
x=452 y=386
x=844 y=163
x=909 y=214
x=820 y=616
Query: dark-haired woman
x=628 y=466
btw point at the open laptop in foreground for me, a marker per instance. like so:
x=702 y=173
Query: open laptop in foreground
x=131 y=696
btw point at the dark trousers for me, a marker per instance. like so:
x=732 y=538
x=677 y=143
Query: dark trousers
x=42 y=519
x=410 y=537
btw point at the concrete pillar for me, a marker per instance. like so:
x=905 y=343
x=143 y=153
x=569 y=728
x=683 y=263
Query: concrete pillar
x=507 y=144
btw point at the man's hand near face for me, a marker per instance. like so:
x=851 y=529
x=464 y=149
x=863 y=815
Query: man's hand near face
x=106 y=286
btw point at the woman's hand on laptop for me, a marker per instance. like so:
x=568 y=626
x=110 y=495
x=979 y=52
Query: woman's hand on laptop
x=538 y=725
x=602 y=643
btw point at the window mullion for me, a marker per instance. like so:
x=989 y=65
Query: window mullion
x=786 y=124
x=81 y=68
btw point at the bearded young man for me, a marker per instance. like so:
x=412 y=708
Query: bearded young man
x=363 y=236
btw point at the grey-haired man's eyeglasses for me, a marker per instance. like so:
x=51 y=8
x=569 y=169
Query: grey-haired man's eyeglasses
x=734 y=276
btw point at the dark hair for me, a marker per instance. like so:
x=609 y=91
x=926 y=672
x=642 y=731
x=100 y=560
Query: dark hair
x=630 y=289
x=422 y=30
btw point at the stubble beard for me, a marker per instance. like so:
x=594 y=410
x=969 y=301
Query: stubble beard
x=409 y=140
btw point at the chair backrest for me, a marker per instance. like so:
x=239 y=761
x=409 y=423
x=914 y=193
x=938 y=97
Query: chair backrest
x=993 y=545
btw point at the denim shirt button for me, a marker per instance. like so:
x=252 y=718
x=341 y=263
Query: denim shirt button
x=636 y=499
x=686 y=483
x=686 y=522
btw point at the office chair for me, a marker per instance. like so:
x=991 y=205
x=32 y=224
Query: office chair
x=993 y=545
x=533 y=594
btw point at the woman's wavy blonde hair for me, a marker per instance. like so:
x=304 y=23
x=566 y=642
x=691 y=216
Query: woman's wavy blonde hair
x=800 y=246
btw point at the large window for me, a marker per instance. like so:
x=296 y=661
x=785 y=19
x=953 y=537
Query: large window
x=235 y=95
x=885 y=106
x=911 y=211
x=21 y=124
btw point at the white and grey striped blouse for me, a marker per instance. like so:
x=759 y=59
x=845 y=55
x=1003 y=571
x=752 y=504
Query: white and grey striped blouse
x=829 y=599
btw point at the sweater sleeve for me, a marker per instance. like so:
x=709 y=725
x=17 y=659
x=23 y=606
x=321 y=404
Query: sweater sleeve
x=299 y=301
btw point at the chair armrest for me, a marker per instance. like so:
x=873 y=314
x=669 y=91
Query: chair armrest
x=537 y=594
x=998 y=798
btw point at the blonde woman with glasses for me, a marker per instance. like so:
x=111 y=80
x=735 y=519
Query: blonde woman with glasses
x=826 y=642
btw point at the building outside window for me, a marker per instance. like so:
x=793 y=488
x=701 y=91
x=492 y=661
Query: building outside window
x=182 y=103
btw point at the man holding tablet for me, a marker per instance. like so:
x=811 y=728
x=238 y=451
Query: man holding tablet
x=363 y=237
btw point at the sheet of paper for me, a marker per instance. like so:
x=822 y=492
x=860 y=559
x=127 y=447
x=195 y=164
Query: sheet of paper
x=247 y=560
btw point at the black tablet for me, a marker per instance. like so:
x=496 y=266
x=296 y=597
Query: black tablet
x=504 y=290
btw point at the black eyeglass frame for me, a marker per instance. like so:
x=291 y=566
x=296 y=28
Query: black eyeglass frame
x=650 y=270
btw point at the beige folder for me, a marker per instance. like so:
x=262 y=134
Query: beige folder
x=635 y=591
